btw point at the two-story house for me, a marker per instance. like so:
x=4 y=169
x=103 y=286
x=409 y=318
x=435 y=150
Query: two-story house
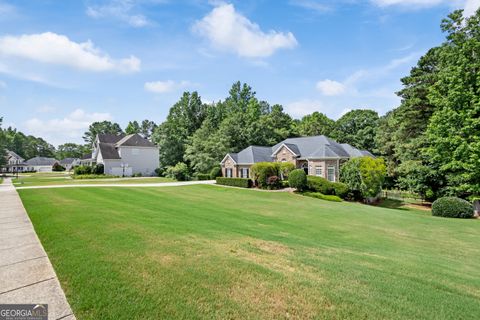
x=124 y=155
x=15 y=163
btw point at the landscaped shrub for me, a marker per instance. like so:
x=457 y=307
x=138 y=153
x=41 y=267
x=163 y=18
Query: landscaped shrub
x=341 y=189
x=178 y=172
x=298 y=179
x=215 y=172
x=137 y=175
x=319 y=184
x=274 y=183
x=57 y=167
x=235 y=182
x=81 y=170
x=322 y=185
x=261 y=171
x=452 y=207
x=203 y=176
x=285 y=169
x=319 y=195
x=98 y=169
x=364 y=175
x=159 y=172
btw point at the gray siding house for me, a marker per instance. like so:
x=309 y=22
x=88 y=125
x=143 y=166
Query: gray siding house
x=124 y=155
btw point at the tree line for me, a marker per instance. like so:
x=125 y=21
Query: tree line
x=432 y=140
x=200 y=134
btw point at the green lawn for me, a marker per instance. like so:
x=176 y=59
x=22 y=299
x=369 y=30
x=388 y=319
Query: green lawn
x=203 y=252
x=45 y=179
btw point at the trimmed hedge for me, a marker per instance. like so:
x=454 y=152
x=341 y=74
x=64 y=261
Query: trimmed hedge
x=319 y=195
x=203 y=176
x=57 y=167
x=98 y=169
x=452 y=207
x=322 y=185
x=93 y=176
x=319 y=184
x=235 y=182
x=82 y=170
x=298 y=179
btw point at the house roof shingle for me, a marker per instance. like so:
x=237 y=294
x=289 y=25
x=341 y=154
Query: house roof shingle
x=110 y=138
x=109 y=152
x=41 y=161
x=315 y=147
x=134 y=140
x=14 y=155
x=67 y=161
x=86 y=156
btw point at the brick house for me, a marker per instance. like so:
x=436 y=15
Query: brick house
x=317 y=155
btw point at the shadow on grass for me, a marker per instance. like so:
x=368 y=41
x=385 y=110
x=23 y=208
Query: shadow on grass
x=392 y=204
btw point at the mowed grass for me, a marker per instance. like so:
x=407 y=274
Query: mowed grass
x=207 y=252
x=48 y=179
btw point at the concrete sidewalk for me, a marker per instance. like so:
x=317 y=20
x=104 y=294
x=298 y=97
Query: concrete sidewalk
x=125 y=185
x=26 y=274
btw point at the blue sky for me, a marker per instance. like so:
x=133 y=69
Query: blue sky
x=64 y=64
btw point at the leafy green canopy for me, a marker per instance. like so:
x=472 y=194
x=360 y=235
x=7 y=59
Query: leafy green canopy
x=25 y=146
x=234 y=124
x=432 y=141
x=71 y=150
x=364 y=175
x=358 y=128
x=103 y=127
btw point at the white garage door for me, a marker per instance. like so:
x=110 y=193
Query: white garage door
x=119 y=171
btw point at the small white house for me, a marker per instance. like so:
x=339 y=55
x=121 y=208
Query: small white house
x=69 y=163
x=40 y=164
x=125 y=155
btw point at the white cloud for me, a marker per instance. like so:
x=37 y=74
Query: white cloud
x=121 y=10
x=422 y=3
x=228 y=30
x=330 y=87
x=69 y=128
x=45 y=109
x=165 y=86
x=344 y=112
x=469 y=6
x=349 y=85
x=303 y=107
x=311 y=5
x=26 y=75
x=6 y=9
x=57 y=49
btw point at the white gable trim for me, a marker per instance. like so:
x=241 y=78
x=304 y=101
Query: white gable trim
x=284 y=145
x=228 y=156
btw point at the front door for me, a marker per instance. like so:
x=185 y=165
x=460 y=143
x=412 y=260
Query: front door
x=305 y=168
